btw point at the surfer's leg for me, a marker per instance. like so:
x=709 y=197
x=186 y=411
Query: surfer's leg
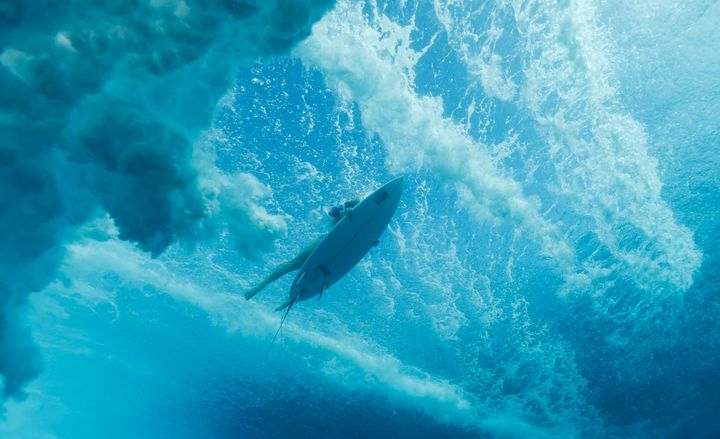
x=277 y=273
x=282 y=269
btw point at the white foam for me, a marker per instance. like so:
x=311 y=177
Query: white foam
x=599 y=151
x=354 y=360
x=484 y=63
x=360 y=60
x=368 y=365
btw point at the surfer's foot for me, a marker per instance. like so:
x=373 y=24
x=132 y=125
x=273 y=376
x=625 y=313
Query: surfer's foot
x=251 y=292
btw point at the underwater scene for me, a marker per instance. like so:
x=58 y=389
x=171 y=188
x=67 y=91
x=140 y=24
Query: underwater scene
x=359 y=219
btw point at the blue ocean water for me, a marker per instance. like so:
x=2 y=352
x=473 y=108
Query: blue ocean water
x=552 y=271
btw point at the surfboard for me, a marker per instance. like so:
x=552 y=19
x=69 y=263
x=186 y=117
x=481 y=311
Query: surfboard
x=351 y=238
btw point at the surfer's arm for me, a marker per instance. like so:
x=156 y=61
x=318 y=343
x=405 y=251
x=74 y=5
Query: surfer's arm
x=349 y=206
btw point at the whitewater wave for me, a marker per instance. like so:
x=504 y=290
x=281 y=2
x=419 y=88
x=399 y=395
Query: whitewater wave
x=355 y=359
x=599 y=152
x=350 y=359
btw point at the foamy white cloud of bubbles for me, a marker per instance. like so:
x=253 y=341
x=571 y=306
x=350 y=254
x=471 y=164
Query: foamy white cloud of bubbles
x=599 y=151
x=372 y=64
x=102 y=105
x=354 y=360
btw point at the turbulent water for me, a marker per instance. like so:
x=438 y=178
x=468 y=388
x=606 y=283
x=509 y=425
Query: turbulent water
x=553 y=269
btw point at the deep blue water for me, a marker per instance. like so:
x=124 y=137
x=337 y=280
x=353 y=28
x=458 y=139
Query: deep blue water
x=553 y=269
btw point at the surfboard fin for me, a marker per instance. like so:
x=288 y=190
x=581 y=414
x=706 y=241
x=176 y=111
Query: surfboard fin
x=322 y=291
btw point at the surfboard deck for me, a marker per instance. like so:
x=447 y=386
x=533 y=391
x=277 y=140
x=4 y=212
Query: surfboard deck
x=351 y=238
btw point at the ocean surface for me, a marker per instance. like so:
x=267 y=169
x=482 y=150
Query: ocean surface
x=552 y=271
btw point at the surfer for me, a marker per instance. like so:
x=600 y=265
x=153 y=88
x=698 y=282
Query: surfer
x=336 y=214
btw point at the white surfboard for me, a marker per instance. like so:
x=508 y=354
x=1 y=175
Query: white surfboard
x=347 y=243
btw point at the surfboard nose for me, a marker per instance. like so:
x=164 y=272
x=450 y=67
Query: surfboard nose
x=395 y=184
